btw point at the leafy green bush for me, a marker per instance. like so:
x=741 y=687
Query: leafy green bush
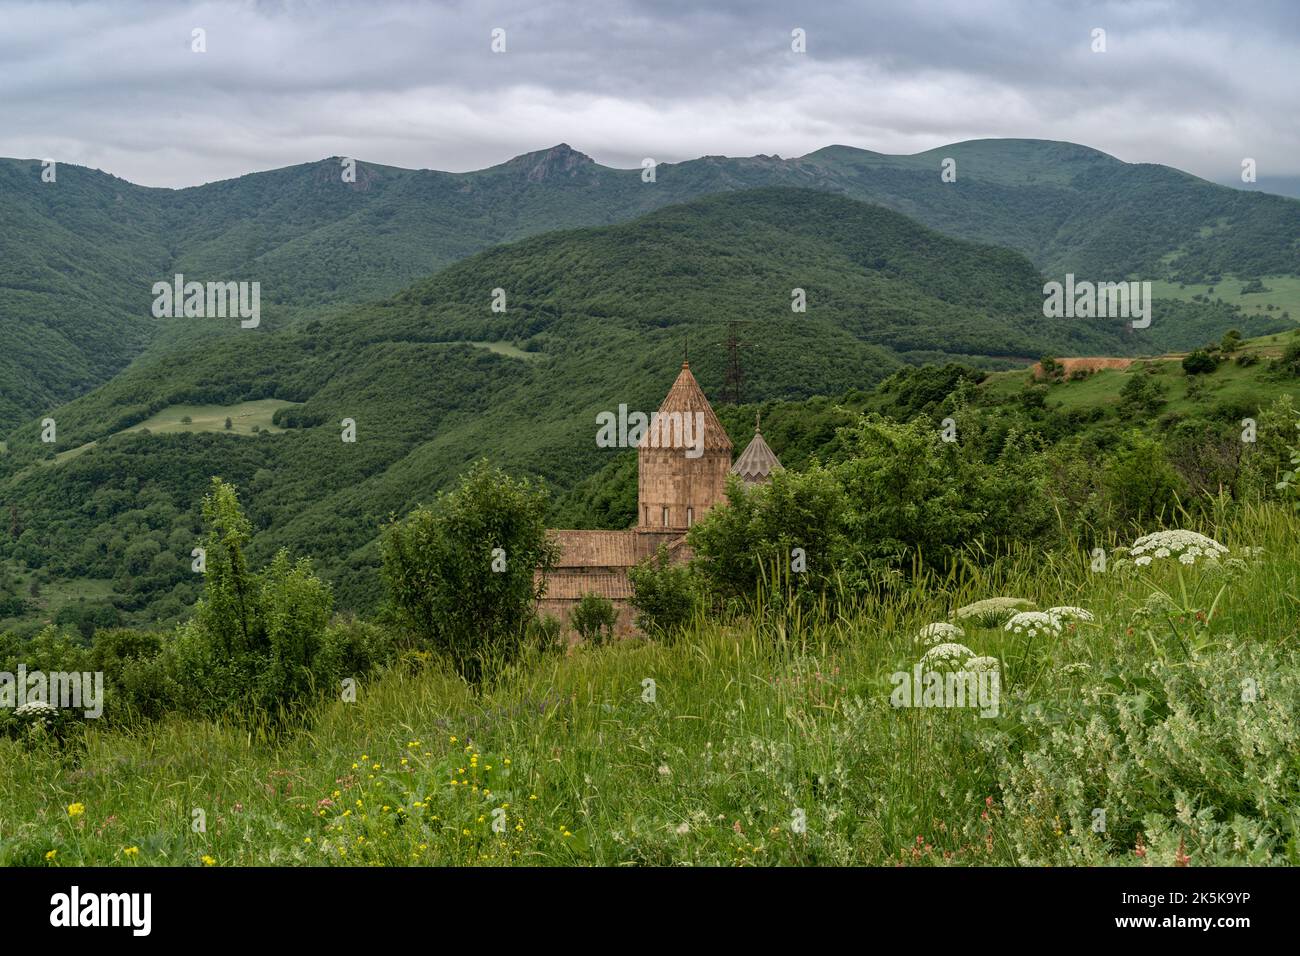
x=1140 y=396
x=663 y=594
x=594 y=618
x=352 y=648
x=546 y=633
x=462 y=573
x=792 y=528
x=1189 y=761
x=1139 y=482
x=910 y=492
x=1199 y=362
x=1289 y=362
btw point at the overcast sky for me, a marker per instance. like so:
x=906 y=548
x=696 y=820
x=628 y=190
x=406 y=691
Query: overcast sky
x=117 y=86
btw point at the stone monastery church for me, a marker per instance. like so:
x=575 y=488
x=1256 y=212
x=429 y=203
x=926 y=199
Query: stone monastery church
x=674 y=490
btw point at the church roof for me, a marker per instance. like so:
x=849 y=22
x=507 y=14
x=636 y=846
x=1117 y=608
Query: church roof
x=757 y=461
x=596 y=549
x=588 y=550
x=573 y=586
x=687 y=398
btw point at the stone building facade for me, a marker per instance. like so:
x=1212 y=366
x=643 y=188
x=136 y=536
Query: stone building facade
x=682 y=465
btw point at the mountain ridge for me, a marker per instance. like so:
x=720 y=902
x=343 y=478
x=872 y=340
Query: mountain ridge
x=79 y=256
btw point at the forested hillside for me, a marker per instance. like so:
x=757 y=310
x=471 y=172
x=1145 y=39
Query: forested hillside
x=78 y=256
x=593 y=319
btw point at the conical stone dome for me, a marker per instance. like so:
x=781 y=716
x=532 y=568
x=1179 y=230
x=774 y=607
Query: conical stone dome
x=757 y=462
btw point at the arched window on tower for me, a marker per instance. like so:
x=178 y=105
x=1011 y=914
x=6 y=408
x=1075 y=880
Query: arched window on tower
x=690 y=517
x=665 y=516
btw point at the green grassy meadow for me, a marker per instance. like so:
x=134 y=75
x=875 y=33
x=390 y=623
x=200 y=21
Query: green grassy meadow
x=1230 y=384
x=504 y=348
x=245 y=419
x=765 y=739
x=1283 y=294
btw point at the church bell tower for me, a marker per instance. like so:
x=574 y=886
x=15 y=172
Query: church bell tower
x=683 y=459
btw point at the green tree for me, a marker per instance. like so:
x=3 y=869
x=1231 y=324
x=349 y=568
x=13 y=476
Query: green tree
x=1267 y=458
x=1140 y=483
x=1199 y=362
x=594 y=618
x=789 y=530
x=226 y=610
x=1289 y=363
x=1141 y=395
x=255 y=639
x=910 y=493
x=663 y=594
x=462 y=573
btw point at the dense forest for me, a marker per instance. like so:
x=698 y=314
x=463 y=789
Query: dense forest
x=75 y=309
x=511 y=353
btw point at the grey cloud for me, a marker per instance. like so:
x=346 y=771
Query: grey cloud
x=415 y=84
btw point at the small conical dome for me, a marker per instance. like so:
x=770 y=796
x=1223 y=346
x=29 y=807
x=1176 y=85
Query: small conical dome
x=757 y=462
x=684 y=399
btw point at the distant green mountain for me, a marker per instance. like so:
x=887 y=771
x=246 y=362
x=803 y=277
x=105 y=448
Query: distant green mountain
x=594 y=318
x=78 y=256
